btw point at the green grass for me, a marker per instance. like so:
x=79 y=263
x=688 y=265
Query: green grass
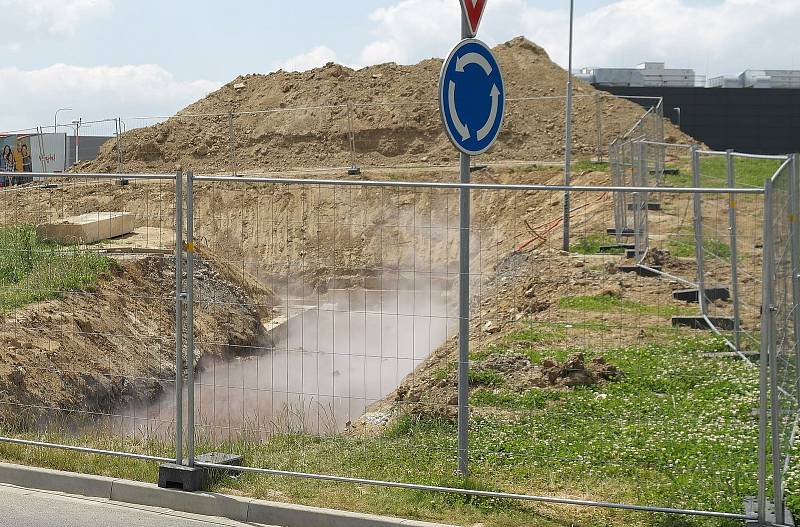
x=547 y=334
x=677 y=430
x=714 y=172
x=591 y=243
x=586 y=164
x=611 y=303
x=685 y=247
x=485 y=377
x=32 y=270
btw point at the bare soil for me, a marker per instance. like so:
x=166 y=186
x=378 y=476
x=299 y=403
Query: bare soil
x=304 y=119
x=114 y=346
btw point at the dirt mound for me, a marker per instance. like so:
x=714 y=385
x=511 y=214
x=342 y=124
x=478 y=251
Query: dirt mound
x=575 y=372
x=108 y=349
x=391 y=109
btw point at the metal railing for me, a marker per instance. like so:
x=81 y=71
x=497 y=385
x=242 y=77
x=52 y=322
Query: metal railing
x=711 y=233
x=82 y=380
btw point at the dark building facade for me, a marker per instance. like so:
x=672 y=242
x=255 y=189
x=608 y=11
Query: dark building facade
x=757 y=121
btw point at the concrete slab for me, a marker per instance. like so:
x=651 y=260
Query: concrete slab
x=206 y=503
x=144 y=240
x=751 y=508
x=87 y=228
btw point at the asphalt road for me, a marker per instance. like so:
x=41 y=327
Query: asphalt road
x=33 y=508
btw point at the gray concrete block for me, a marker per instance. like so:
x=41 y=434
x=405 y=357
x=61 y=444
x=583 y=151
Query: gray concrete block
x=181 y=477
x=205 y=503
x=54 y=480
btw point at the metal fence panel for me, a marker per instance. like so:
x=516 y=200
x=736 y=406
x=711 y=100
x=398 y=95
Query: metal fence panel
x=783 y=322
x=353 y=374
x=88 y=326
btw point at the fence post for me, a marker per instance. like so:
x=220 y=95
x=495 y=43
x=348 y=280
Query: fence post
x=764 y=356
x=463 y=306
x=353 y=170
x=179 y=299
x=598 y=117
x=118 y=128
x=794 y=226
x=777 y=474
x=617 y=181
x=626 y=157
x=644 y=213
x=190 y=316
x=639 y=162
x=662 y=150
x=231 y=142
x=737 y=330
x=698 y=232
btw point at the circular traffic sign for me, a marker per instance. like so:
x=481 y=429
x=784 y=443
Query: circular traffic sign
x=472 y=97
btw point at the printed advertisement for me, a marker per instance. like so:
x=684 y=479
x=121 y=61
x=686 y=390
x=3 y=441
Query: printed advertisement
x=31 y=153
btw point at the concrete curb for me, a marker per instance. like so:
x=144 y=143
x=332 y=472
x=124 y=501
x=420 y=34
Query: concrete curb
x=204 y=503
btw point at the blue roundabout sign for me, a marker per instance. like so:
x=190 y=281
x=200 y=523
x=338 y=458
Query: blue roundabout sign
x=472 y=97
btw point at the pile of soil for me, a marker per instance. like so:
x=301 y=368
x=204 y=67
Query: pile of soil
x=113 y=347
x=390 y=108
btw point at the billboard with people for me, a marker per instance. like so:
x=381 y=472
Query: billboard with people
x=31 y=153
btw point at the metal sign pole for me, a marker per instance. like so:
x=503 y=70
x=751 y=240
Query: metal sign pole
x=463 y=305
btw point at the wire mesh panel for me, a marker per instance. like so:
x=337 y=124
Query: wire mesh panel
x=347 y=364
x=783 y=320
x=353 y=289
x=708 y=242
x=731 y=245
x=87 y=274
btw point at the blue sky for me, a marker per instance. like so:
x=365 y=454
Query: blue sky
x=148 y=57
